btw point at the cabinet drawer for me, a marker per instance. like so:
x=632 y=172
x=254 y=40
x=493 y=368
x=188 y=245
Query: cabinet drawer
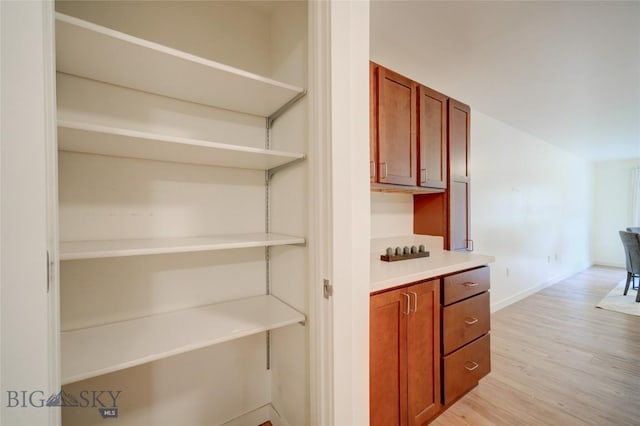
x=465 y=284
x=464 y=321
x=465 y=367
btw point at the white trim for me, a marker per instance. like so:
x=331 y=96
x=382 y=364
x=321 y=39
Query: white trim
x=320 y=220
x=496 y=306
x=51 y=156
x=608 y=264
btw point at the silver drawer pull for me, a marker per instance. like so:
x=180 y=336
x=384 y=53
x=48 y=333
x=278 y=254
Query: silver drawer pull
x=473 y=366
x=471 y=321
x=408 y=310
x=415 y=301
x=469 y=284
x=372 y=171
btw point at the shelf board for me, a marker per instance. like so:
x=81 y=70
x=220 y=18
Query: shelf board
x=385 y=187
x=92 y=51
x=75 y=250
x=95 y=139
x=106 y=348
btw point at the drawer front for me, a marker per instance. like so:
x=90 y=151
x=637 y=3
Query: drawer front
x=465 y=367
x=464 y=321
x=465 y=284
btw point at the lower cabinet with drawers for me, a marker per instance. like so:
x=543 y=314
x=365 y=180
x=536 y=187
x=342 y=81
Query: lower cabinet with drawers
x=429 y=345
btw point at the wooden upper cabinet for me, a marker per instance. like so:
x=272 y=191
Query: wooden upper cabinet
x=373 y=122
x=394 y=138
x=459 y=123
x=459 y=183
x=432 y=138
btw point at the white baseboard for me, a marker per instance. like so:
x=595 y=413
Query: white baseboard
x=609 y=264
x=252 y=418
x=528 y=292
x=258 y=416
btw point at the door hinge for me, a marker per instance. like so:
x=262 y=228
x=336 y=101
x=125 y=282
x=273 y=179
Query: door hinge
x=327 y=289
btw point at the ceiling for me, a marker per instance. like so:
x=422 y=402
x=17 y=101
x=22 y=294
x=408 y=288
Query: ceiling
x=565 y=72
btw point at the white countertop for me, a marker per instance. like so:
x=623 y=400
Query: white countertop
x=386 y=275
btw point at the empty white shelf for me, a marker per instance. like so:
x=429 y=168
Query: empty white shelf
x=92 y=51
x=74 y=250
x=106 y=348
x=103 y=140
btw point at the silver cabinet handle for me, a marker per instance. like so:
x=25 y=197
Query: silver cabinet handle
x=471 y=321
x=408 y=310
x=383 y=165
x=423 y=175
x=473 y=366
x=372 y=169
x=415 y=301
x=469 y=245
x=469 y=284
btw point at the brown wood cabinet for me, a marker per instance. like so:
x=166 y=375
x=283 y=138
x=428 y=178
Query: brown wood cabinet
x=466 y=355
x=432 y=138
x=408 y=134
x=405 y=387
x=459 y=130
x=447 y=214
x=395 y=121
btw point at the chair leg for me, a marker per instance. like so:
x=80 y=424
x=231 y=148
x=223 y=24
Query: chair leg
x=638 y=296
x=626 y=287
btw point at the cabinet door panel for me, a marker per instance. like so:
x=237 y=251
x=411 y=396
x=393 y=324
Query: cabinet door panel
x=459 y=139
x=432 y=138
x=373 y=122
x=396 y=129
x=465 y=284
x=459 y=216
x=459 y=119
x=465 y=321
x=423 y=339
x=464 y=368
x=387 y=359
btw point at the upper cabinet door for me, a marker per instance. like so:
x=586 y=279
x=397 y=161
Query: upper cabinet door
x=432 y=138
x=396 y=129
x=459 y=125
x=373 y=122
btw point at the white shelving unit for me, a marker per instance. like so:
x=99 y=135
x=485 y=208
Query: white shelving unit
x=75 y=250
x=103 y=349
x=92 y=51
x=95 y=139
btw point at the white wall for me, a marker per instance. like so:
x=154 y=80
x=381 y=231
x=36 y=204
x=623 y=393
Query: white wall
x=611 y=209
x=530 y=208
x=391 y=214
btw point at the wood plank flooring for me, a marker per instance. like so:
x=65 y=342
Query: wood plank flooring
x=559 y=360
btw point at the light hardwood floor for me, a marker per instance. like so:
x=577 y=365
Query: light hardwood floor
x=558 y=360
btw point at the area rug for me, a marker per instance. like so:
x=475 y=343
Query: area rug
x=616 y=301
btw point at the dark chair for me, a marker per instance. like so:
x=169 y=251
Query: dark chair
x=634 y=229
x=631 y=243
